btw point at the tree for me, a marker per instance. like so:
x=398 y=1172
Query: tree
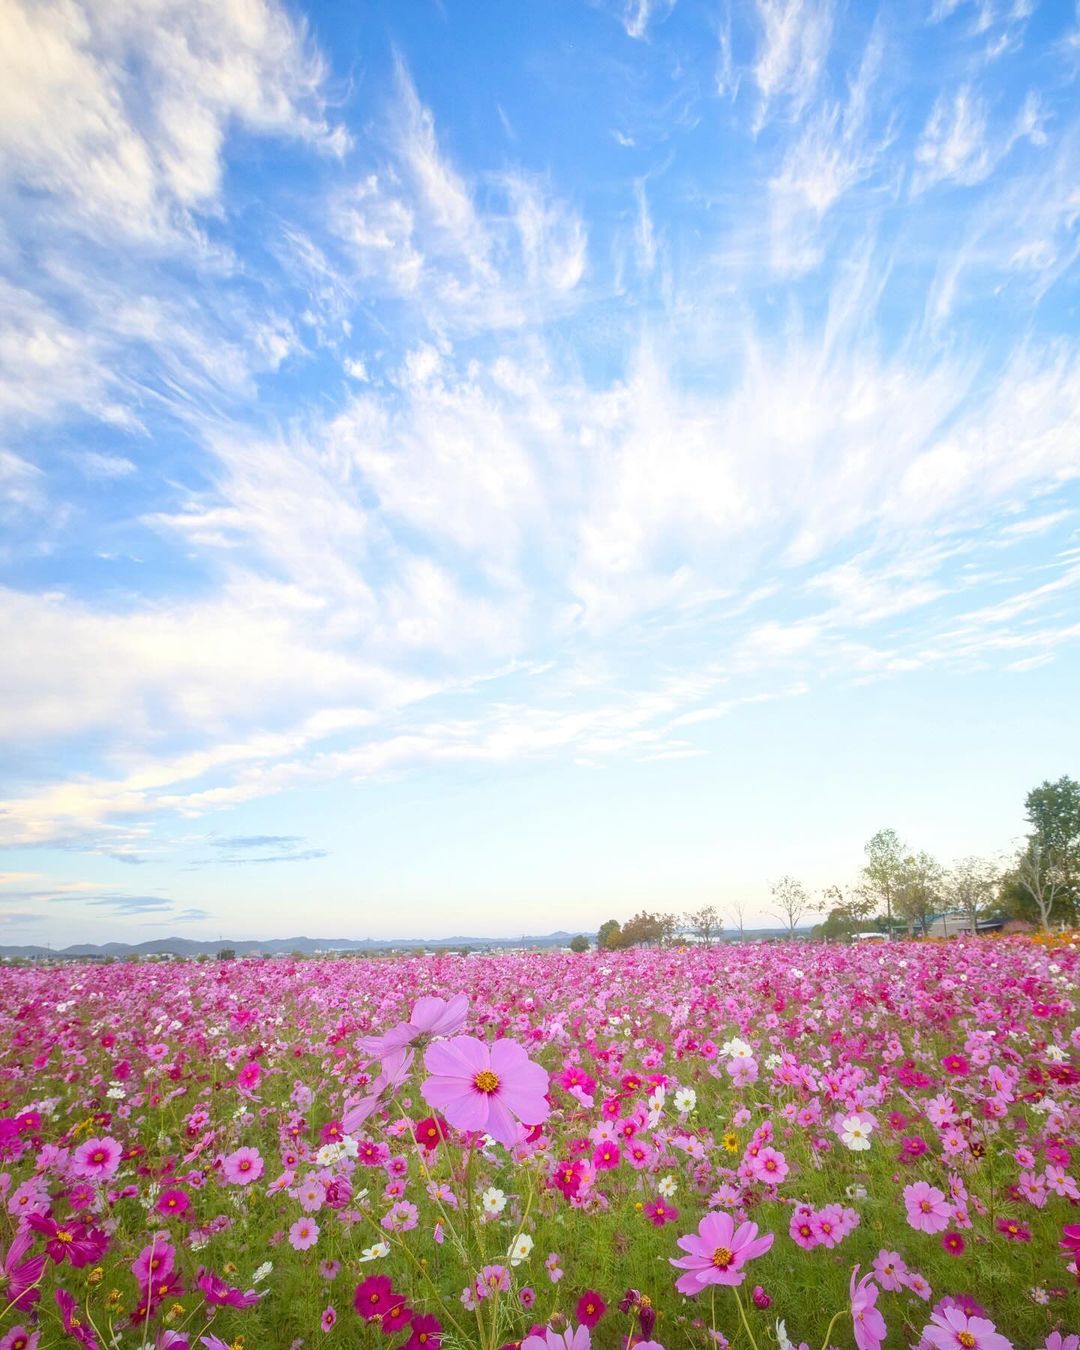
x=1053 y=811
x=1040 y=875
x=737 y=909
x=852 y=906
x=646 y=930
x=792 y=900
x=226 y=954
x=609 y=938
x=971 y=885
x=579 y=944
x=705 y=923
x=838 y=925
x=884 y=858
x=918 y=892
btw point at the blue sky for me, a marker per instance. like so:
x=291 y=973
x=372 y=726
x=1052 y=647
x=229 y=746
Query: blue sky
x=469 y=467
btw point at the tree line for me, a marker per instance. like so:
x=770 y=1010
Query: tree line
x=904 y=889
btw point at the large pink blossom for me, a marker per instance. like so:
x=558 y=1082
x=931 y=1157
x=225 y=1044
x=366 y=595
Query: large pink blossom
x=953 y=1329
x=488 y=1088
x=717 y=1252
x=869 y=1325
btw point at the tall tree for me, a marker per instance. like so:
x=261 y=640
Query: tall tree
x=609 y=938
x=792 y=901
x=1053 y=811
x=918 y=893
x=737 y=910
x=705 y=923
x=971 y=886
x=884 y=858
x=1040 y=876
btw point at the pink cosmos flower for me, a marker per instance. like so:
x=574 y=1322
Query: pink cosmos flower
x=155 y=1262
x=770 y=1165
x=1055 y=1341
x=303 y=1234
x=218 y=1294
x=927 y=1209
x=429 y=1017
x=18 y=1338
x=485 y=1088
x=328 y=1318
x=717 y=1252
x=97 y=1159
x=890 y=1270
x=242 y=1167
x=953 y=1329
x=867 y=1320
x=571 y=1339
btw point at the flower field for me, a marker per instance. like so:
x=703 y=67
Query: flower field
x=784 y=1144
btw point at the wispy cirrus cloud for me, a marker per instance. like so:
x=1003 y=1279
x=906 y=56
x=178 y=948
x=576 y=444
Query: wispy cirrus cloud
x=355 y=429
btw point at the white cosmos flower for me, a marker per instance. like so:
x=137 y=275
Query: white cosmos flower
x=685 y=1099
x=520 y=1248
x=855 y=1133
x=736 y=1049
x=667 y=1186
x=265 y=1269
x=493 y=1200
x=375 y=1253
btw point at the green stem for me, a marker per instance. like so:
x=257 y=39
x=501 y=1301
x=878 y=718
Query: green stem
x=828 y=1329
x=742 y=1315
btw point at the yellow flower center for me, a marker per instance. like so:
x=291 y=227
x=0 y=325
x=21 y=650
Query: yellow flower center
x=966 y=1339
x=722 y=1258
x=486 y=1081
x=63 y=1235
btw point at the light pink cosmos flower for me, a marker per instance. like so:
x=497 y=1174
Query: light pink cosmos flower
x=486 y=1088
x=430 y=1016
x=890 y=1269
x=1055 y=1341
x=571 y=1339
x=927 y=1209
x=97 y=1159
x=867 y=1320
x=717 y=1252
x=952 y=1329
x=303 y=1234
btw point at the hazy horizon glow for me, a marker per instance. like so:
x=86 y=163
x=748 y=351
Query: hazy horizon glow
x=472 y=476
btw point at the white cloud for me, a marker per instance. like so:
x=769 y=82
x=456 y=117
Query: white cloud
x=120 y=108
x=795 y=38
x=954 y=142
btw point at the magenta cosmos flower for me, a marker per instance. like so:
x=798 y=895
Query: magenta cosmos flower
x=717 y=1252
x=489 y=1088
x=953 y=1329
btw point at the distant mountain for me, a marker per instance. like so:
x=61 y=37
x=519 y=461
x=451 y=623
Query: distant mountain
x=179 y=946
